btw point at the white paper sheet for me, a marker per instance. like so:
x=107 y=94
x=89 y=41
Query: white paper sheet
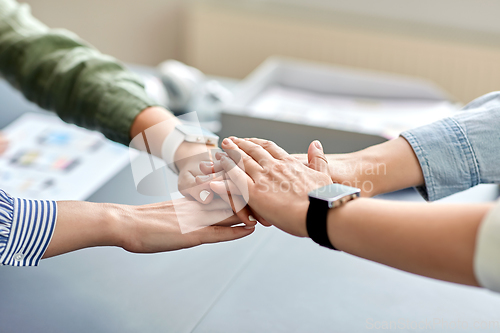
x=50 y=159
x=384 y=117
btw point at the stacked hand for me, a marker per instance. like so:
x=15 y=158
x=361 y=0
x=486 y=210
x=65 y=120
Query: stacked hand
x=274 y=183
x=194 y=183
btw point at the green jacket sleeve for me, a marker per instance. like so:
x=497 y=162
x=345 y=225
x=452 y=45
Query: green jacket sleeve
x=60 y=72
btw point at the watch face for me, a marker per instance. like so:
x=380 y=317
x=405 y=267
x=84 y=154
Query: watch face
x=334 y=192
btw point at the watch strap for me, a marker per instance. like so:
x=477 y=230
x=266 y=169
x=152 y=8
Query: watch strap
x=169 y=147
x=316 y=222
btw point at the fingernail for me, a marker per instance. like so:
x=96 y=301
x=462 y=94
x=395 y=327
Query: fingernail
x=204 y=178
x=217 y=182
x=208 y=163
x=218 y=156
x=318 y=144
x=226 y=142
x=249 y=227
x=251 y=218
x=204 y=195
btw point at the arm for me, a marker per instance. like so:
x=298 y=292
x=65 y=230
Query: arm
x=448 y=156
x=141 y=229
x=383 y=168
x=34 y=229
x=438 y=241
x=62 y=73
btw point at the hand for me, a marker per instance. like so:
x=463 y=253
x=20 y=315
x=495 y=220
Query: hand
x=192 y=184
x=143 y=229
x=213 y=172
x=155 y=124
x=165 y=226
x=189 y=169
x=278 y=184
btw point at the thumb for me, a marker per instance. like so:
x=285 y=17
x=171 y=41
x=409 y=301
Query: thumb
x=316 y=157
x=189 y=187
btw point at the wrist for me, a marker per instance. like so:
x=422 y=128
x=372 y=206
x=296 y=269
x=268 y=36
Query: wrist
x=391 y=166
x=338 y=224
x=383 y=168
x=110 y=223
x=302 y=210
x=190 y=153
x=359 y=169
x=150 y=117
x=370 y=172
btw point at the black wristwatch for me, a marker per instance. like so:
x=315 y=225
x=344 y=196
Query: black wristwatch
x=320 y=202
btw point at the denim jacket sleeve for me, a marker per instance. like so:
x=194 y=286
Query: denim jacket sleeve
x=459 y=152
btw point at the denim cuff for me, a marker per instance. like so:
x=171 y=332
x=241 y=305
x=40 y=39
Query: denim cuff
x=447 y=158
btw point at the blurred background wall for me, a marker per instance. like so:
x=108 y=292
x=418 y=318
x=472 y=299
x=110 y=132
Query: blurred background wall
x=453 y=43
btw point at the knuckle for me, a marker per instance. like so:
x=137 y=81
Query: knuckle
x=246 y=158
x=268 y=144
x=322 y=157
x=280 y=167
x=254 y=149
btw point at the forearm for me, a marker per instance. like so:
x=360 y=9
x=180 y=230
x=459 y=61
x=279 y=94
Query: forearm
x=83 y=224
x=433 y=240
x=386 y=167
x=142 y=229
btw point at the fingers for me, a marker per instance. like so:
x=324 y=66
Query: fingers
x=216 y=204
x=189 y=187
x=224 y=187
x=244 y=162
x=192 y=215
x=273 y=149
x=214 y=234
x=239 y=177
x=316 y=157
x=244 y=214
x=207 y=167
x=256 y=152
x=260 y=219
x=211 y=167
x=201 y=179
x=193 y=220
x=239 y=205
x=230 y=221
x=227 y=190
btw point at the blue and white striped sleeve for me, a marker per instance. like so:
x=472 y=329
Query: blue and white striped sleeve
x=26 y=228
